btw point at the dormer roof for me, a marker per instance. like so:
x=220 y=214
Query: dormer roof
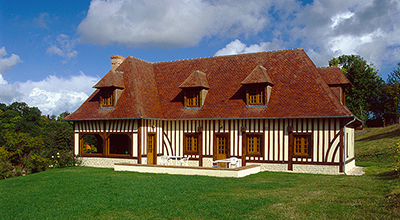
x=111 y=79
x=196 y=79
x=333 y=76
x=258 y=75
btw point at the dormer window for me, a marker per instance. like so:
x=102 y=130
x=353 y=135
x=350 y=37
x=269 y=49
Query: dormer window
x=193 y=98
x=258 y=86
x=111 y=87
x=195 y=89
x=107 y=98
x=256 y=96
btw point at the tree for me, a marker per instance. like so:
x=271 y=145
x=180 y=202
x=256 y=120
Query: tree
x=365 y=82
x=22 y=145
x=394 y=76
x=392 y=99
x=386 y=103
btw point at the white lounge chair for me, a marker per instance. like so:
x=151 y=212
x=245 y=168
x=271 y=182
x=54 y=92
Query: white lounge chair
x=184 y=161
x=234 y=161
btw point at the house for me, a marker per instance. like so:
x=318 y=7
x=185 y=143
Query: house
x=275 y=109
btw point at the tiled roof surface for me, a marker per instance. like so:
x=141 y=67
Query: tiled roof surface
x=333 y=76
x=152 y=89
x=197 y=79
x=111 y=79
x=258 y=75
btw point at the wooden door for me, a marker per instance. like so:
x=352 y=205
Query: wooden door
x=221 y=148
x=151 y=148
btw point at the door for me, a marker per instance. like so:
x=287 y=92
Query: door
x=221 y=148
x=151 y=149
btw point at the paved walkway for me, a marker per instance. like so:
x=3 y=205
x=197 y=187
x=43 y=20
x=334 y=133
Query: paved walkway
x=356 y=171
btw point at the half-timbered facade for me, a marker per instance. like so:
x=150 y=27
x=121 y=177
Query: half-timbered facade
x=275 y=109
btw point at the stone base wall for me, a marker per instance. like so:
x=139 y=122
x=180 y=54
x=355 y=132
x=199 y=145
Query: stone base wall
x=104 y=162
x=207 y=162
x=300 y=168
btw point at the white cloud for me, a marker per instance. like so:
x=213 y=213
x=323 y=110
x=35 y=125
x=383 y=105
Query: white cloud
x=327 y=29
x=237 y=47
x=9 y=63
x=63 y=46
x=52 y=95
x=333 y=28
x=170 y=23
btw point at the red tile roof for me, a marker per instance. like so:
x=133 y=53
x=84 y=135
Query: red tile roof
x=111 y=79
x=258 y=75
x=333 y=76
x=197 y=79
x=152 y=89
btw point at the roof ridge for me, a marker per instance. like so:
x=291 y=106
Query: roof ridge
x=132 y=57
x=327 y=67
x=215 y=57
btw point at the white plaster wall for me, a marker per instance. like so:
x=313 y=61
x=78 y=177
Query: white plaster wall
x=350 y=166
x=76 y=143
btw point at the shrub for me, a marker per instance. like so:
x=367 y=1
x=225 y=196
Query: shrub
x=64 y=159
x=38 y=163
x=6 y=167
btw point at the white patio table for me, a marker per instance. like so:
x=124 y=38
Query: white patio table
x=226 y=160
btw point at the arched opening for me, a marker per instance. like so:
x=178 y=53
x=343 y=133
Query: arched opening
x=120 y=144
x=92 y=144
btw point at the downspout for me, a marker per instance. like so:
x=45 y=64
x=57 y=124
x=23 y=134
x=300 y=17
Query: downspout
x=345 y=144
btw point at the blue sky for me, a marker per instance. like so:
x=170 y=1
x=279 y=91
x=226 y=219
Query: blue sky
x=53 y=52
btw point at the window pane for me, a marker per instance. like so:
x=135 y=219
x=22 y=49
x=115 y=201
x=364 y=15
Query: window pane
x=301 y=145
x=256 y=96
x=254 y=144
x=191 y=143
x=192 y=98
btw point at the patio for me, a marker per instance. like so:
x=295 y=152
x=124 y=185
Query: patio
x=185 y=170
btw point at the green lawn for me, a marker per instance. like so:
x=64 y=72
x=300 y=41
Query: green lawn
x=96 y=193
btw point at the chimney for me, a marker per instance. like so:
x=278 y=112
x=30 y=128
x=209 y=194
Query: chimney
x=116 y=60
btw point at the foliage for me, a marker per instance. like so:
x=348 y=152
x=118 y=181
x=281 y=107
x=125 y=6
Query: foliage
x=385 y=104
x=89 y=149
x=58 y=136
x=365 y=82
x=393 y=103
x=64 y=159
x=38 y=163
x=5 y=164
x=394 y=76
x=22 y=145
x=31 y=139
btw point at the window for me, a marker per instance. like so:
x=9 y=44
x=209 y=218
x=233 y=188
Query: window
x=254 y=145
x=91 y=144
x=107 y=98
x=119 y=144
x=192 y=99
x=221 y=145
x=191 y=144
x=256 y=96
x=302 y=145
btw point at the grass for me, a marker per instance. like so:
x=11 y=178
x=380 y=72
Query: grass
x=99 y=193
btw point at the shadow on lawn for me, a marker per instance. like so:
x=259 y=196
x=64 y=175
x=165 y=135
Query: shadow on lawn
x=391 y=134
x=388 y=175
